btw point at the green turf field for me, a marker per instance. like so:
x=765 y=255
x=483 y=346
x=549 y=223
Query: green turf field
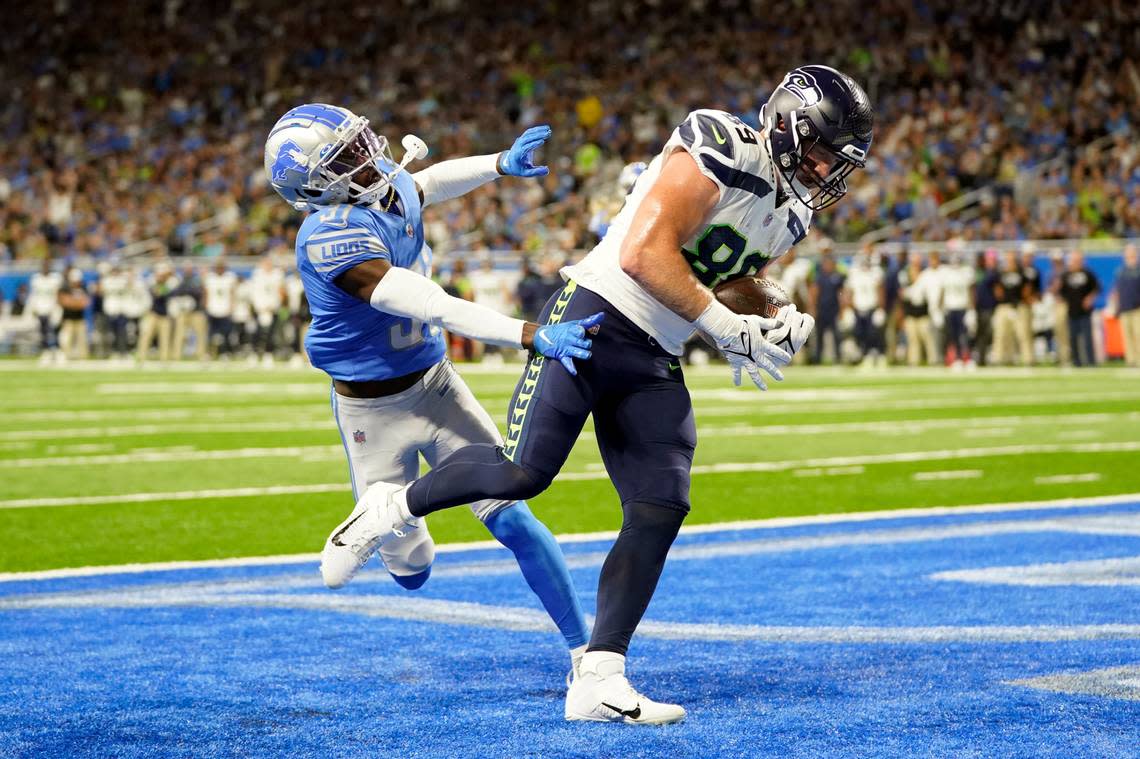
x=110 y=466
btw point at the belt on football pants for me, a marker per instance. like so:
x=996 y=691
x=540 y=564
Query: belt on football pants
x=378 y=388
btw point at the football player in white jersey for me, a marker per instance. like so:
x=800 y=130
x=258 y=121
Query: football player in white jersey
x=43 y=303
x=865 y=287
x=957 y=300
x=221 y=295
x=720 y=201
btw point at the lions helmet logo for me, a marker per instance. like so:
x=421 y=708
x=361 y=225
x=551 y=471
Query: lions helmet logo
x=802 y=85
x=290 y=157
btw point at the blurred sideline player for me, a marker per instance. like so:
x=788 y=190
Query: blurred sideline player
x=377 y=331
x=717 y=203
x=867 y=294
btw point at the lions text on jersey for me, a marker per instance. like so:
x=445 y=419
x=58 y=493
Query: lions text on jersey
x=349 y=339
x=745 y=231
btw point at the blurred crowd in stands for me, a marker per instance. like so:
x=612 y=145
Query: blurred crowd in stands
x=944 y=308
x=132 y=122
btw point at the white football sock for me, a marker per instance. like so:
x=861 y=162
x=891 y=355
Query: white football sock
x=603 y=663
x=401 y=499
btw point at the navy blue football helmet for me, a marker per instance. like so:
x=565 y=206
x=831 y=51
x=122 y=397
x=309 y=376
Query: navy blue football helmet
x=816 y=117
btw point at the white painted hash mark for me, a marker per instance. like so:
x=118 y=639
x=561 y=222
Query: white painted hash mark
x=1063 y=479
x=948 y=474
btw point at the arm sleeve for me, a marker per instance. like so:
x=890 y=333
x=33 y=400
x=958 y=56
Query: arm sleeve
x=333 y=251
x=405 y=293
x=450 y=179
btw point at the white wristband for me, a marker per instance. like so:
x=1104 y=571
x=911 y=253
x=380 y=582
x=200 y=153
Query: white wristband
x=718 y=322
x=404 y=293
x=456 y=177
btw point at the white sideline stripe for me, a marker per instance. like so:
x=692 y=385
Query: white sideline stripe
x=949 y=474
x=179 y=454
x=587 y=537
x=520 y=619
x=725 y=468
x=1062 y=479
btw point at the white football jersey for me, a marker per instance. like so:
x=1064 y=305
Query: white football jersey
x=220 y=290
x=864 y=284
x=265 y=289
x=43 y=293
x=957 y=281
x=744 y=232
x=116 y=290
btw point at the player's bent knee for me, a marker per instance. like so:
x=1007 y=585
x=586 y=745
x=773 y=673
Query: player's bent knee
x=520 y=483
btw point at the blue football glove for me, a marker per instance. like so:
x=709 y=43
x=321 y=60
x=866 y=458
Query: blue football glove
x=567 y=341
x=519 y=160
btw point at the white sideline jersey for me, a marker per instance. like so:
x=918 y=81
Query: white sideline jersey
x=743 y=233
x=43 y=293
x=957 y=281
x=221 y=290
x=864 y=283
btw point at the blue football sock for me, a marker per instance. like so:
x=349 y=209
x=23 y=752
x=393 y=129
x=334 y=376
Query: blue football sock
x=412 y=582
x=544 y=567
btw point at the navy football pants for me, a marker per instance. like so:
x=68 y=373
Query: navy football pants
x=643 y=421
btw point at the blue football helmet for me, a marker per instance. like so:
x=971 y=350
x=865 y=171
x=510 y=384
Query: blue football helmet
x=321 y=155
x=819 y=111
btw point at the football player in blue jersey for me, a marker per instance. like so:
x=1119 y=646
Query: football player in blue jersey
x=377 y=321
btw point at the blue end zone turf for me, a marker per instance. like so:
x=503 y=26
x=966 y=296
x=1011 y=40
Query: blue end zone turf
x=968 y=634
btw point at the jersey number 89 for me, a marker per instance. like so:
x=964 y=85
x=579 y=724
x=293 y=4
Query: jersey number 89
x=720 y=256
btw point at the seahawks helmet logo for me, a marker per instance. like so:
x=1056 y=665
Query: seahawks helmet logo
x=290 y=157
x=802 y=85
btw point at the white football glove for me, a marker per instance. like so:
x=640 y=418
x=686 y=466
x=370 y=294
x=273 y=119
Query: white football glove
x=792 y=330
x=740 y=338
x=878 y=318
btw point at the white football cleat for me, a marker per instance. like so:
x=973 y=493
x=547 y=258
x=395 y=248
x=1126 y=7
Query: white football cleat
x=601 y=693
x=353 y=542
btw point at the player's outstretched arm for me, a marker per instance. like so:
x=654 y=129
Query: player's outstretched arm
x=459 y=176
x=403 y=292
x=679 y=201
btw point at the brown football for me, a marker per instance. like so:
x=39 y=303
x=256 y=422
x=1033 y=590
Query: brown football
x=752 y=295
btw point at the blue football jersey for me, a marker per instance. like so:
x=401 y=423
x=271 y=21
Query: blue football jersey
x=348 y=338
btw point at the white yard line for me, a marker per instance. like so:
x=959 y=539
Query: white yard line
x=948 y=474
x=887 y=458
x=178 y=495
x=1064 y=479
x=971 y=426
x=724 y=468
x=251 y=427
x=587 y=537
x=178 y=454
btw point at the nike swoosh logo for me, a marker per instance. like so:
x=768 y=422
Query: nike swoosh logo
x=542 y=336
x=335 y=538
x=716 y=135
x=634 y=713
x=673 y=365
